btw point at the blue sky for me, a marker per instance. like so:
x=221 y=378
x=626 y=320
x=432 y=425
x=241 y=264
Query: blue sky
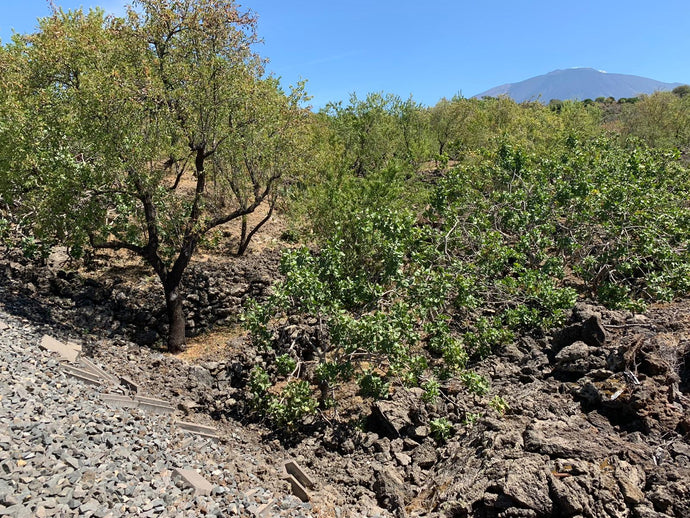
x=438 y=48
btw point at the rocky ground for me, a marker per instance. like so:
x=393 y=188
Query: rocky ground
x=597 y=425
x=64 y=452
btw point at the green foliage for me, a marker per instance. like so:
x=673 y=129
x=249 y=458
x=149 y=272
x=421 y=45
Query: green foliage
x=286 y=407
x=376 y=133
x=499 y=405
x=145 y=133
x=436 y=234
x=475 y=383
x=391 y=187
x=32 y=248
x=661 y=119
x=373 y=385
x=420 y=275
x=453 y=126
x=256 y=318
x=471 y=418
x=369 y=299
x=285 y=364
x=626 y=217
x=259 y=383
x=498 y=237
x=331 y=373
x=489 y=262
x=682 y=90
x=441 y=429
x=431 y=391
x=293 y=404
x=594 y=206
x=5 y=231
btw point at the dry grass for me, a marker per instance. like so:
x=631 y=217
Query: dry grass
x=213 y=346
x=228 y=235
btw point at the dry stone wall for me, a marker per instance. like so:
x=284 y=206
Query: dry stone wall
x=122 y=305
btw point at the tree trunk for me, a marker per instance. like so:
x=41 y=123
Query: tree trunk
x=176 y=320
x=247 y=237
x=243 y=236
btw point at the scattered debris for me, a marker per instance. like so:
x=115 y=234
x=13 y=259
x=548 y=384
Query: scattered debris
x=198 y=429
x=68 y=351
x=294 y=469
x=297 y=489
x=82 y=375
x=191 y=478
x=155 y=405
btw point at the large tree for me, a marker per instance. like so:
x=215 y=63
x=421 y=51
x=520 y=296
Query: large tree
x=661 y=119
x=377 y=132
x=146 y=133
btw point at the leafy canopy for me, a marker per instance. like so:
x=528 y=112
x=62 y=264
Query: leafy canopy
x=147 y=132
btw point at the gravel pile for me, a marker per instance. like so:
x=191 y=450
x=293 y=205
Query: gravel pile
x=63 y=452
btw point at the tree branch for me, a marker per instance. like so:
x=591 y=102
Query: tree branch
x=180 y=172
x=150 y=251
x=245 y=243
x=191 y=233
x=117 y=245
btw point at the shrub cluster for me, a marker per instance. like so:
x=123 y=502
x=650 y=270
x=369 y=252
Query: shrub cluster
x=503 y=247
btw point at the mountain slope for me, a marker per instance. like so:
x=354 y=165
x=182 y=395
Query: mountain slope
x=578 y=83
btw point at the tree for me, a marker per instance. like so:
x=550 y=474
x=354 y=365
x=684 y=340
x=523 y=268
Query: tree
x=413 y=126
x=451 y=124
x=682 y=90
x=556 y=105
x=151 y=131
x=378 y=132
x=660 y=119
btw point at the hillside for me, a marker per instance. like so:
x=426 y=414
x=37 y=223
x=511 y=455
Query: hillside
x=578 y=84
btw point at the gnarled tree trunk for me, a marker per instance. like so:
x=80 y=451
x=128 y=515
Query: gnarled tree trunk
x=176 y=320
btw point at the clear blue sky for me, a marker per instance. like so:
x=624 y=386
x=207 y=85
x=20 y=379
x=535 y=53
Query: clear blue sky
x=437 y=48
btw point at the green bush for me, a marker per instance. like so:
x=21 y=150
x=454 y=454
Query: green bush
x=441 y=429
x=373 y=385
x=421 y=296
x=287 y=407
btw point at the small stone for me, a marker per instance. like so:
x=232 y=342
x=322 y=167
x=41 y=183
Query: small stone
x=70 y=460
x=402 y=458
x=424 y=456
x=90 y=506
x=9 y=499
x=420 y=432
x=593 y=331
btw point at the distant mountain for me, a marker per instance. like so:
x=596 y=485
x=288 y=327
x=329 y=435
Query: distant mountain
x=578 y=84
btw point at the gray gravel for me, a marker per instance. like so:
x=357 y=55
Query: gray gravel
x=65 y=453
